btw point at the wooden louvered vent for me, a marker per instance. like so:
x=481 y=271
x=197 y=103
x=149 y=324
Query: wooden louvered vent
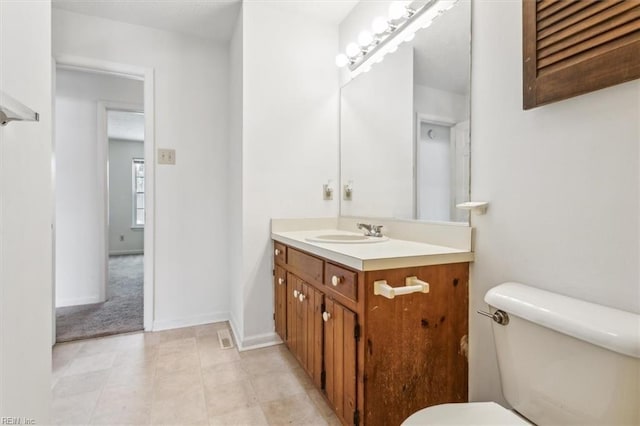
x=572 y=47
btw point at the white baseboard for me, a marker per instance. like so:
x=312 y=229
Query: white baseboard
x=190 y=321
x=258 y=341
x=61 y=303
x=125 y=252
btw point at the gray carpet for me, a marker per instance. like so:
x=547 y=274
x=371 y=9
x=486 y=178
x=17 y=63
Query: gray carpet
x=120 y=313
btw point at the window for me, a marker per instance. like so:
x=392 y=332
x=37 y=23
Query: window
x=138 y=193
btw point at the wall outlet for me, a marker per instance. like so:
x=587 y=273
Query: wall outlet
x=327 y=192
x=347 y=192
x=167 y=156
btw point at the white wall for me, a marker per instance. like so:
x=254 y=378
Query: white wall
x=289 y=143
x=234 y=200
x=440 y=103
x=376 y=139
x=80 y=187
x=121 y=155
x=563 y=184
x=191 y=115
x=26 y=209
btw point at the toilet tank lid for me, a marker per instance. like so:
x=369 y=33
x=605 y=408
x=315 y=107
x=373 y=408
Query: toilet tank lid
x=610 y=328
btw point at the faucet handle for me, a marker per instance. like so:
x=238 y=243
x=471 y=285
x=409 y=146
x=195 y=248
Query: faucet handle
x=376 y=230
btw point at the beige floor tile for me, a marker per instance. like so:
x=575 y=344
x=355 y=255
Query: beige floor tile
x=223 y=399
x=175 y=334
x=177 y=383
x=220 y=374
x=274 y=386
x=129 y=405
x=175 y=362
x=143 y=355
x=253 y=416
x=187 y=344
x=265 y=361
x=184 y=408
x=211 y=329
x=297 y=409
x=211 y=353
x=99 y=346
x=333 y=420
x=132 y=375
x=80 y=383
x=321 y=404
x=90 y=363
x=303 y=378
x=73 y=409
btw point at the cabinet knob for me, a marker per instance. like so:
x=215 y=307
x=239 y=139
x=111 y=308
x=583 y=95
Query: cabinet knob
x=301 y=297
x=335 y=280
x=295 y=293
x=277 y=252
x=280 y=281
x=326 y=316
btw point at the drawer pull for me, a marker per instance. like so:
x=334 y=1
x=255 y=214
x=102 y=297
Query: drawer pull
x=335 y=280
x=280 y=281
x=326 y=316
x=411 y=285
x=301 y=297
x=295 y=293
x=277 y=252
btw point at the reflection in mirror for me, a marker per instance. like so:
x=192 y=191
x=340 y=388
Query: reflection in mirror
x=404 y=127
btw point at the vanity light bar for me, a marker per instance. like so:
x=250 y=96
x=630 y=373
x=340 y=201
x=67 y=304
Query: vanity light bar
x=405 y=19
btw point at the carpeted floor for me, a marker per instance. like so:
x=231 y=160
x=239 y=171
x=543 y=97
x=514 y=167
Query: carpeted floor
x=120 y=313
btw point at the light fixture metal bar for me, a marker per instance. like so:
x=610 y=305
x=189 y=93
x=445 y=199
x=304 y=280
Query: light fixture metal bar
x=13 y=110
x=419 y=12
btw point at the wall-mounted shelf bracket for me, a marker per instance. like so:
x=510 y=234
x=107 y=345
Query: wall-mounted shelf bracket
x=478 y=207
x=13 y=110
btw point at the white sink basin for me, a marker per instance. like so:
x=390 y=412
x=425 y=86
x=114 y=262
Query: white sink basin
x=346 y=239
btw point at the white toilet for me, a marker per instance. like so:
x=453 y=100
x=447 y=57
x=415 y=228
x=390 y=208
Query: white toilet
x=562 y=361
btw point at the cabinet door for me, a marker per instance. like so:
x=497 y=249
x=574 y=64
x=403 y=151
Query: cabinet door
x=312 y=324
x=280 y=298
x=292 y=303
x=340 y=359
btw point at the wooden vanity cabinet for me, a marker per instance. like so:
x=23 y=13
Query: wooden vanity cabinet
x=376 y=360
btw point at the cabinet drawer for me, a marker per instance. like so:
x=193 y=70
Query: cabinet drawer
x=311 y=266
x=341 y=280
x=280 y=252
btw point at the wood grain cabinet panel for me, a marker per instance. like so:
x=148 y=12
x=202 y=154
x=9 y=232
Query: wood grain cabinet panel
x=280 y=298
x=575 y=47
x=376 y=360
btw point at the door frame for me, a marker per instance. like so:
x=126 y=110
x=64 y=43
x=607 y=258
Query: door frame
x=431 y=119
x=147 y=76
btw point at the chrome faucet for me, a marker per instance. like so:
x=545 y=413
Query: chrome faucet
x=370 y=230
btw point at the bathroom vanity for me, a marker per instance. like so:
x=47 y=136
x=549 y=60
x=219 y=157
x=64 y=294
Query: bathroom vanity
x=377 y=358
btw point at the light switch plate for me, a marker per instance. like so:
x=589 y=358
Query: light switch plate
x=167 y=156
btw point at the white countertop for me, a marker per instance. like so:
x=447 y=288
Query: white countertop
x=390 y=254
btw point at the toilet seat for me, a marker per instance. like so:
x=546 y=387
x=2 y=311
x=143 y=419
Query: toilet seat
x=474 y=413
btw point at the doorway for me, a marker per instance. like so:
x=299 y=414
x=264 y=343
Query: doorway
x=100 y=199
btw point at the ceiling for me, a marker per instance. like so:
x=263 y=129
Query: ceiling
x=209 y=19
x=443 y=51
x=125 y=125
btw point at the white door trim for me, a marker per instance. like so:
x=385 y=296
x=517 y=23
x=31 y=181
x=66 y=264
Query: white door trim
x=147 y=75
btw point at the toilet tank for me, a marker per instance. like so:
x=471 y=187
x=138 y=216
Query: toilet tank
x=566 y=361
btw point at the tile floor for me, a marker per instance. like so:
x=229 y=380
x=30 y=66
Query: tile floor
x=181 y=377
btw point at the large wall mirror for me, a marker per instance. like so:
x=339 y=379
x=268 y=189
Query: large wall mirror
x=404 y=127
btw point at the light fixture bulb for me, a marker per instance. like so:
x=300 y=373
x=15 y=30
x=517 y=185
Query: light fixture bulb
x=380 y=25
x=352 y=50
x=410 y=37
x=366 y=69
x=392 y=48
x=365 y=38
x=341 y=60
x=397 y=9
